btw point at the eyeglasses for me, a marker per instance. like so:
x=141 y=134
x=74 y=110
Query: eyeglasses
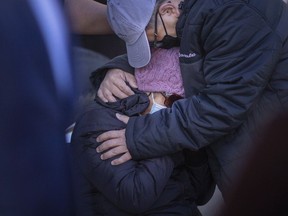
x=170 y=99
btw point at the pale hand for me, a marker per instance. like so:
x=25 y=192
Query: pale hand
x=114 y=85
x=114 y=143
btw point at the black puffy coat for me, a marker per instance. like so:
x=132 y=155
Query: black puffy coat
x=234 y=60
x=160 y=186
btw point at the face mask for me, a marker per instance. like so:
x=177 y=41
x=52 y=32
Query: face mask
x=155 y=106
x=167 y=42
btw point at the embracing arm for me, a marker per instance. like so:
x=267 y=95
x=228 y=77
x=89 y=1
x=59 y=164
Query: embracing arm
x=239 y=60
x=111 y=79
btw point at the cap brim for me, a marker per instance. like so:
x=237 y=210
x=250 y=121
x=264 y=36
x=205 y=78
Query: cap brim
x=139 y=52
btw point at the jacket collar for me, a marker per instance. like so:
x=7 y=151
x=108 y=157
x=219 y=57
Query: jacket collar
x=186 y=7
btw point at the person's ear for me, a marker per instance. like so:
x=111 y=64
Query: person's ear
x=169 y=8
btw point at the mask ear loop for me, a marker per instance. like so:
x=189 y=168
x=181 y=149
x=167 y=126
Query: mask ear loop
x=152 y=95
x=156 y=28
x=163 y=24
x=155 y=31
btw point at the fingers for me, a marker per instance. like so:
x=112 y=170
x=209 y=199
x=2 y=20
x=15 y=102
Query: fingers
x=110 y=139
x=105 y=95
x=114 y=85
x=117 y=151
x=122 y=90
x=120 y=81
x=124 y=158
x=110 y=145
x=122 y=118
x=114 y=144
x=131 y=80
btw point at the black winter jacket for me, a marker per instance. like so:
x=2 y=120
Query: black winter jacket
x=234 y=60
x=160 y=186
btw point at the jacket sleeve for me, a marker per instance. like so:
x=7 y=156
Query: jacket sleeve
x=240 y=52
x=119 y=62
x=133 y=186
